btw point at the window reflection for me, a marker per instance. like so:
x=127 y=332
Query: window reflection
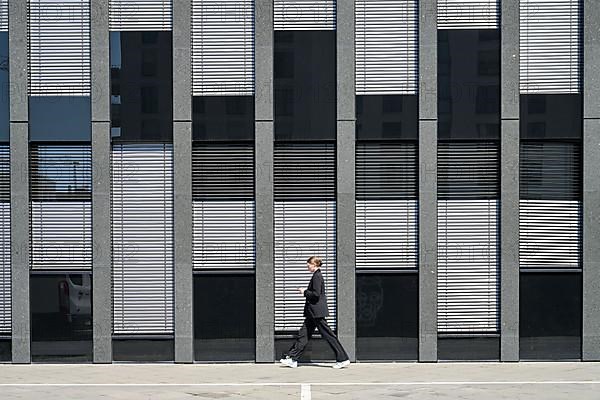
x=551 y=116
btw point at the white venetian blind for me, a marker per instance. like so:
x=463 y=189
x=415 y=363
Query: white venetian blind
x=5 y=265
x=223 y=47
x=142 y=238
x=468 y=14
x=550 y=46
x=304 y=15
x=59 y=48
x=141 y=15
x=386 y=47
x=3 y=15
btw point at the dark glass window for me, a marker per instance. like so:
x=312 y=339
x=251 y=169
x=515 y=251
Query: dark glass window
x=225 y=332
x=61 y=317
x=387 y=117
x=5 y=349
x=551 y=116
x=221 y=118
x=550 y=315
x=4 y=87
x=60 y=118
x=142 y=350
x=469 y=84
x=141 y=86
x=469 y=348
x=305 y=85
x=387 y=316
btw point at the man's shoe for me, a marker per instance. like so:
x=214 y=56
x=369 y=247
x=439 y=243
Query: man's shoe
x=341 y=364
x=289 y=362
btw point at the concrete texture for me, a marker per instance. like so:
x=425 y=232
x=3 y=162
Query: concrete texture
x=509 y=241
x=346 y=83
x=184 y=317
x=591 y=59
x=182 y=60
x=19 y=246
x=428 y=241
x=101 y=234
x=100 y=58
x=263 y=59
x=17 y=59
x=509 y=59
x=428 y=60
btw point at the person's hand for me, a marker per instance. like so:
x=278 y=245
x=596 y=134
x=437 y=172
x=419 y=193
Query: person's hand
x=301 y=291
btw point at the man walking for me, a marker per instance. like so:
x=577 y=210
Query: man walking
x=315 y=312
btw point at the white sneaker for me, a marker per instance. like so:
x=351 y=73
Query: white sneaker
x=341 y=364
x=289 y=362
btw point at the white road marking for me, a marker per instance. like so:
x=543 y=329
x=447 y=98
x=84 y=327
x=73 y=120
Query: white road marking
x=305 y=392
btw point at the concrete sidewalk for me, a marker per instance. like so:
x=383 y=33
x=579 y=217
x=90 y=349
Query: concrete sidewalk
x=547 y=381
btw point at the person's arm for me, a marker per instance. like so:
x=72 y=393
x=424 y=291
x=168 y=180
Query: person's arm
x=313 y=294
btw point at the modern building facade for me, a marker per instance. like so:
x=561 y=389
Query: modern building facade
x=167 y=166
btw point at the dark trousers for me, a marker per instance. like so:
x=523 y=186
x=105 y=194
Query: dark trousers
x=305 y=334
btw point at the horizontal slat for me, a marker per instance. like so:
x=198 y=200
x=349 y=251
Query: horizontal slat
x=468 y=266
x=304 y=15
x=142 y=238
x=4 y=173
x=468 y=14
x=302 y=229
x=59 y=48
x=3 y=15
x=304 y=170
x=551 y=46
x=386 y=47
x=550 y=233
x=223 y=47
x=141 y=15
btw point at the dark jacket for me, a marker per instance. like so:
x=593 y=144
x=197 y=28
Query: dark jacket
x=316 y=299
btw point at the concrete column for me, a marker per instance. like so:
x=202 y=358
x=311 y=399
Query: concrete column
x=346 y=208
x=101 y=226
x=591 y=181
x=509 y=182
x=263 y=150
x=182 y=156
x=19 y=181
x=428 y=180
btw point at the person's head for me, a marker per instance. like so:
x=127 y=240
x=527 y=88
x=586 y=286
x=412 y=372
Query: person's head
x=313 y=263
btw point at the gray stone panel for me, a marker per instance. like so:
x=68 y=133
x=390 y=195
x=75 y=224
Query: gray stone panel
x=346 y=83
x=182 y=60
x=17 y=58
x=591 y=66
x=100 y=61
x=263 y=60
x=428 y=59
x=509 y=64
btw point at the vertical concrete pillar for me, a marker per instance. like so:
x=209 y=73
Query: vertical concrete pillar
x=182 y=160
x=509 y=182
x=591 y=181
x=19 y=181
x=263 y=150
x=101 y=252
x=428 y=180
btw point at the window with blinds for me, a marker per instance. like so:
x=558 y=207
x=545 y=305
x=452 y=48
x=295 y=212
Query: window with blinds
x=311 y=15
x=223 y=47
x=5 y=266
x=550 y=207
x=59 y=48
x=468 y=14
x=142 y=238
x=304 y=225
x=468 y=262
x=141 y=15
x=3 y=15
x=550 y=46
x=386 y=205
x=223 y=206
x=61 y=207
x=386 y=47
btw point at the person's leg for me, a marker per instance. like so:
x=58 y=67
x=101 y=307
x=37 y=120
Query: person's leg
x=332 y=340
x=304 y=335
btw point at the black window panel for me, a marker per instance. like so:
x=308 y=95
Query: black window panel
x=4 y=85
x=225 y=332
x=387 y=316
x=469 y=348
x=305 y=85
x=60 y=118
x=141 y=86
x=220 y=118
x=5 y=349
x=61 y=317
x=551 y=116
x=387 y=117
x=468 y=84
x=550 y=171
x=143 y=350
x=550 y=315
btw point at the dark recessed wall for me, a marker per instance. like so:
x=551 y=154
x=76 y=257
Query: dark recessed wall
x=380 y=117
x=223 y=118
x=4 y=87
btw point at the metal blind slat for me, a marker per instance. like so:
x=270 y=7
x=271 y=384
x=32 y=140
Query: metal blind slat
x=386 y=47
x=304 y=15
x=141 y=15
x=59 y=48
x=468 y=14
x=550 y=42
x=3 y=15
x=223 y=47
x=5 y=255
x=142 y=238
